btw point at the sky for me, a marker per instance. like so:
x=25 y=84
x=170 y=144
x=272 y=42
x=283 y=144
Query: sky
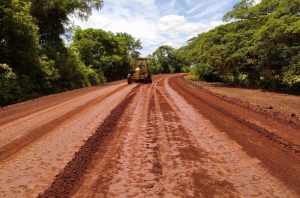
x=158 y=22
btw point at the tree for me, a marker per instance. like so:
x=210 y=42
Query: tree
x=9 y=85
x=19 y=38
x=31 y=44
x=260 y=47
x=154 y=66
x=165 y=56
x=106 y=52
x=53 y=16
x=130 y=44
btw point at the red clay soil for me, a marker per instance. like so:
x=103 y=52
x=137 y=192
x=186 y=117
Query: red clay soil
x=168 y=140
x=37 y=144
x=14 y=146
x=16 y=111
x=276 y=145
x=284 y=108
x=13 y=112
x=67 y=181
x=165 y=139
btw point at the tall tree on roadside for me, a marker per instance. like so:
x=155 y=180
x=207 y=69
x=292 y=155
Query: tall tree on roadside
x=106 y=52
x=18 y=37
x=53 y=16
x=164 y=55
x=131 y=45
x=259 y=47
x=33 y=55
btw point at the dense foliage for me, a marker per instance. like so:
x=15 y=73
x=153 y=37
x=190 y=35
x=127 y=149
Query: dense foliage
x=165 y=59
x=259 y=47
x=34 y=59
x=106 y=52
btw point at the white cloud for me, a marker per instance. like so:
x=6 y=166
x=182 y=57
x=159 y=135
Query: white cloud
x=147 y=20
x=257 y=2
x=211 y=10
x=198 y=6
x=174 y=24
x=145 y=2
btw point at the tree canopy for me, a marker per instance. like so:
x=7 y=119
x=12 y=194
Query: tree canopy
x=106 y=52
x=165 y=59
x=258 y=47
x=34 y=60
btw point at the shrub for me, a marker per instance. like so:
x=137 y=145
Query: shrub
x=10 y=88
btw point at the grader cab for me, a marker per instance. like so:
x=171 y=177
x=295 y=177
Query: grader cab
x=140 y=73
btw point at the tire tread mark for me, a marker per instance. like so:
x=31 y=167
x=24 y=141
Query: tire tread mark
x=260 y=130
x=68 y=180
x=18 y=144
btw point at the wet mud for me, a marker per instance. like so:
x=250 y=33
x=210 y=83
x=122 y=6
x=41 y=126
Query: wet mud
x=168 y=139
x=68 y=179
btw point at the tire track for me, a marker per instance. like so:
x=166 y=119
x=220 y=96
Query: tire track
x=281 y=161
x=16 y=145
x=155 y=142
x=221 y=166
x=285 y=144
x=15 y=112
x=175 y=180
x=66 y=182
x=128 y=164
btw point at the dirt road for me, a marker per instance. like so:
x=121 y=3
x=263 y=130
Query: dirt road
x=166 y=139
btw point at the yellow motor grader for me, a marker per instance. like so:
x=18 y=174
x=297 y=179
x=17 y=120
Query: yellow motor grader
x=140 y=73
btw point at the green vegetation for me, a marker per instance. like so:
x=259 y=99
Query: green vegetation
x=34 y=59
x=105 y=52
x=165 y=60
x=259 y=47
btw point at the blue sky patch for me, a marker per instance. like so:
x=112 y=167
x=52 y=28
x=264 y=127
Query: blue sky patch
x=159 y=22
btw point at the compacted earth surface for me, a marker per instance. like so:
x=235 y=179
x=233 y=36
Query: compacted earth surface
x=279 y=105
x=165 y=139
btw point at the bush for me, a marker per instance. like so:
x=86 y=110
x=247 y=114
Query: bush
x=10 y=88
x=207 y=73
x=95 y=77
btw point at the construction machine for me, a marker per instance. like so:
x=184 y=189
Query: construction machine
x=140 y=73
